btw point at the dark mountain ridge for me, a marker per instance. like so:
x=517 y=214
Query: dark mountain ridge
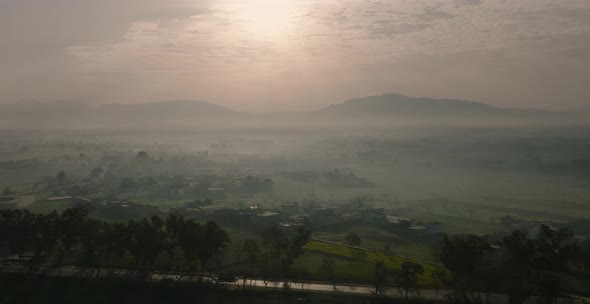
x=381 y=109
x=395 y=105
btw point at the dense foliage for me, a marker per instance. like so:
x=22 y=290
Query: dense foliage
x=520 y=264
x=43 y=238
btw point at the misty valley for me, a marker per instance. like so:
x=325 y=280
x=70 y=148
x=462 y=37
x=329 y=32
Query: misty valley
x=319 y=206
x=295 y=151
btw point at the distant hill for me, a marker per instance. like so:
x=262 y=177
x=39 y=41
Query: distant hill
x=382 y=110
x=400 y=107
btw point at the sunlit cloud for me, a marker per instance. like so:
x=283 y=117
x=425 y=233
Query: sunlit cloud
x=336 y=49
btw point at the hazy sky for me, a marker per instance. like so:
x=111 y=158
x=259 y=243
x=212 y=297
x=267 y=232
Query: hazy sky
x=269 y=55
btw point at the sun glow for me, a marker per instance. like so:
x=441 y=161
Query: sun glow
x=265 y=16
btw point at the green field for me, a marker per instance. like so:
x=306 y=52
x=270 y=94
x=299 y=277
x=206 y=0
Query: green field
x=50 y=206
x=353 y=265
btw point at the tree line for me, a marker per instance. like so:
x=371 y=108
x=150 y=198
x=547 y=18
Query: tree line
x=174 y=243
x=38 y=239
x=519 y=265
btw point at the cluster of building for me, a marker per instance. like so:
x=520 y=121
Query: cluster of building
x=291 y=215
x=219 y=187
x=115 y=208
x=334 y=178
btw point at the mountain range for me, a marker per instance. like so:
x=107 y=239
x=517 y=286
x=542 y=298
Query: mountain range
x=381 y=109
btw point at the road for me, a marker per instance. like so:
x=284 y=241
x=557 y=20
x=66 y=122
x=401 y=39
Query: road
x=241 y=283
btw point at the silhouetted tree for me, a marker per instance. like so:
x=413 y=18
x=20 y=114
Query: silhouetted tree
x=408 y=276
x=353 y=239
x=97 y=172
x=93 y=245
x=293 y=249
x=116 y=241
x=188 y=240
x=252 y=249
x=44 y=236
x=437 y=277
x=147 y=241
x=328 y=266
x=380 y=276
x=463 y=254
x=142 y=155
x=533 y=260
x=61 y=176
x=212 y=240
x=174 y=226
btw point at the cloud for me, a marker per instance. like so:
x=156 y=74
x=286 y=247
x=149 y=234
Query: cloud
x=148 y=49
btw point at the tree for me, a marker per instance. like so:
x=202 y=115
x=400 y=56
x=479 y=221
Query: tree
x=293 y=249
x=61 y=176
x=353 y=239
x=328 y=266
x=520 y=260
x=277 y=243
x=71 y=224
x=274 y=239
x=239 y=251
x=408 y=276
x=116 y=240
x=24 y=231
x=532 y=261
x=554 y=248
x=463 y=255
x=174 y=225
x=380 y=276
x=43 y=236
x=94 y=248
x=97 y=172
x=96 y=242
x=18 y=227
x=212 y=239
x=437 y=277
x=142 y=155
x=147 y=241
x=387 y=248
x=252 y=249
x=188 y=238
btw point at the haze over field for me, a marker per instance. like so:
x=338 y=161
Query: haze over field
x=295 y=151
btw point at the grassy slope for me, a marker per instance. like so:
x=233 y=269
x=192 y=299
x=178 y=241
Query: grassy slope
x=353 y=265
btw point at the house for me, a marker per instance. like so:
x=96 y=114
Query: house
x=290 y=227
x=396 y=220
x=265 y=218
x=290 y=207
